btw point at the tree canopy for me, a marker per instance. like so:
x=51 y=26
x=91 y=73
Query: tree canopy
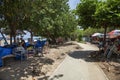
x=48 y=18
x=99 y=13
x=85 y=11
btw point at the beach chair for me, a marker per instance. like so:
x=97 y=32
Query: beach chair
x=39 y=46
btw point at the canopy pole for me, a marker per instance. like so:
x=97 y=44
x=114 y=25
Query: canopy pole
x=4 y=37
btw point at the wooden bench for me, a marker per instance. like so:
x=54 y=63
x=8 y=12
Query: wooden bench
x=5 y=59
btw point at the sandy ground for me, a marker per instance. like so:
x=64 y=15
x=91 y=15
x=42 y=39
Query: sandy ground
x=40 y=68
x=36 y=68
x=111 y=69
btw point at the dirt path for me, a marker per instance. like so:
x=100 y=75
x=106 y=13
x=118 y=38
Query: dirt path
x=77 y=66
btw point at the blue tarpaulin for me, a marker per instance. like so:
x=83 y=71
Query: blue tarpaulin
x=40 y=43
x=4 y=52
x=27 y=44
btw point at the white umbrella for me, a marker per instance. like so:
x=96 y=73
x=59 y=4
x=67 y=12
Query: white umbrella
x=97 y=35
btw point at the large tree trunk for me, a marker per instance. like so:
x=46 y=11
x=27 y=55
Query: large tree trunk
x=12 y=33
x=31 y=36
x=10 y=37
x=14 y=37
x=105 y=32
x=53 y=40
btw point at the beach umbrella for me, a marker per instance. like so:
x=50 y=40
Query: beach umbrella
x=114 y=33
x=97 y=35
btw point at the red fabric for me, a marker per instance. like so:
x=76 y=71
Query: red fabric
x=111 y=33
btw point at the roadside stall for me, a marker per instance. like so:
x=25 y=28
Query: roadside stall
x=113 y=46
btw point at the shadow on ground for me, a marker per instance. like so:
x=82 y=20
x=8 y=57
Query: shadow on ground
x=85 y=55
x=18 y=70
x=92 y=56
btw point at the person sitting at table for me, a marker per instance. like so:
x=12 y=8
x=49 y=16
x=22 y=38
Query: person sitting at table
x=22 y=43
